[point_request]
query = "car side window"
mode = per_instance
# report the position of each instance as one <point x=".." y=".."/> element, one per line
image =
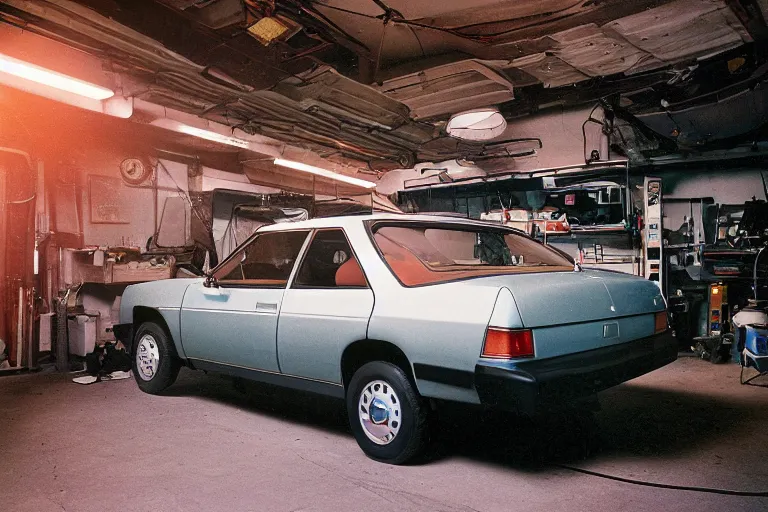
<point x="265" y="261"/>
<point x="330" y="263"/>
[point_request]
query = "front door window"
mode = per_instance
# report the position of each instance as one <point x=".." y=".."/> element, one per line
<point x="265" y="261"/>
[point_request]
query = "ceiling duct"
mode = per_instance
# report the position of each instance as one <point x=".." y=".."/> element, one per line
<point x="447" y="89"/>
<point x="326" y="90"/>
<point x="214" y="14"/>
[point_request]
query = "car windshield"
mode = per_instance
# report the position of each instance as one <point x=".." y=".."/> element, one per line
<point x="423" y="255"/>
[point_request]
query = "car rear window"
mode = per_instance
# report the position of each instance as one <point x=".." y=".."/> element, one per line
<point x="421" y="255"/>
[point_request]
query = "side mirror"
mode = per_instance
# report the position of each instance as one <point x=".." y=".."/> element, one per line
<point x="210" y="281"/>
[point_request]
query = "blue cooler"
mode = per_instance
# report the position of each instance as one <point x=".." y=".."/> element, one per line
<point x="755" y="353"/>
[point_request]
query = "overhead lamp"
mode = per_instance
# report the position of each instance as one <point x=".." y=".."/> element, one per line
<point x="27" y="71"/>
<point x="324" y="173"/>
<point x="212" y="136"/>
<point x="479" y="124"/>
<point x="179" y="127"/>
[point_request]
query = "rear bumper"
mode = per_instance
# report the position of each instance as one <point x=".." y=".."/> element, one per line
<point x="530" y="386"/>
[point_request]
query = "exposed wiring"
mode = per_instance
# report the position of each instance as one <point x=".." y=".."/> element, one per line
<point x="709" y="490"/>
<point x="380" y="50"/>
<point x="421" y="46"/>
<point x="396" y="17"/>
<point x="589" y="119"/>
<point x="388" y="11"/>
<point x="328" y="22"/>
<point x="530" y="25"/>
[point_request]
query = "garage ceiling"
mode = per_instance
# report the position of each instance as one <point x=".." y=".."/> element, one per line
<point x="372" y="82"/>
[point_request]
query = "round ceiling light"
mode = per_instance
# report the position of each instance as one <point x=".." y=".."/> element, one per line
<point x="480" y="124"/>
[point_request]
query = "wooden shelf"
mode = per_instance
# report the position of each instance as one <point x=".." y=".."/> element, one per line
<point x="78" y="268"/>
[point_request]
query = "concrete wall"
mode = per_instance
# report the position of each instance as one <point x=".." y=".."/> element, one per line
<point x="725" y="186"/>
<point x="136" y="203"/>
<point x="82" y="177"/>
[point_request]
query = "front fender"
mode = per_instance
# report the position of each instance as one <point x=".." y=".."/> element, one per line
<point x="164" y="297"/>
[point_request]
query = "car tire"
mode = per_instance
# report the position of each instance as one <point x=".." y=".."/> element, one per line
<point x="155" y="363"/>
<point x="400" y="433"/>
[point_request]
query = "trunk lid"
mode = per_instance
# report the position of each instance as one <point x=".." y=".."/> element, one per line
<point x="557" y="298"/>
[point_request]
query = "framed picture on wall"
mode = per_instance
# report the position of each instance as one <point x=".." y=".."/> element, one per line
<point x="107" y="197"/>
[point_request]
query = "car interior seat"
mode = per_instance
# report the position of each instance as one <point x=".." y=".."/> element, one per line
<point x="350" y="274"/>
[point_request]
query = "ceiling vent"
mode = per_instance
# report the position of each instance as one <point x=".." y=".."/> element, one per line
<point x="456" y="87"/>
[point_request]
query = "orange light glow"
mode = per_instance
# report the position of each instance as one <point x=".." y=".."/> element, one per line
<point x="715" y="291"/>
<point x="53" y="79"/>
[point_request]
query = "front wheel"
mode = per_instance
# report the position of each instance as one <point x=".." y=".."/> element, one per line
<point x="388" y="418"/>
<point x="155" y="364"/>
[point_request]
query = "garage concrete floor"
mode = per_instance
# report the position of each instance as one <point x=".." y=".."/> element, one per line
<point x="207" y="446"/>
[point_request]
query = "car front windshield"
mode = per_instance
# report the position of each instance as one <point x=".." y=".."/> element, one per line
<point x="422" y="254"/>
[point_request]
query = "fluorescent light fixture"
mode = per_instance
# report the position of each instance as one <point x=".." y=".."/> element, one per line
<point x="21" y="69"/>
<point x="212" y="136"/>
<point x="324" y="173"/>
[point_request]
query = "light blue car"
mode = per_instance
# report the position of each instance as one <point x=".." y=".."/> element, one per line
<point x="389" y="311"/>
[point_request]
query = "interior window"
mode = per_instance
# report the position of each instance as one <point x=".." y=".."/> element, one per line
<point x="267" y="260"/>
<point x="329" y="263"/>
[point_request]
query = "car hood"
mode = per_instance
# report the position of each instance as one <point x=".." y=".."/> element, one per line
<point x="557" y="298"/>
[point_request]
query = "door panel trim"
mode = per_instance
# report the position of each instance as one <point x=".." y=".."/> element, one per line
<point x="279" y="379"/>
<point x="233" y="312"/>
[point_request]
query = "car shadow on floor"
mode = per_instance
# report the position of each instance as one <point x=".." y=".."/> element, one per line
<point x="633" y="421"/>
<point x="308" y="408"/>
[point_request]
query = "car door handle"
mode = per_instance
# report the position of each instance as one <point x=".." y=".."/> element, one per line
<point x="264" y="307"/>
<point x="215" y="293"/>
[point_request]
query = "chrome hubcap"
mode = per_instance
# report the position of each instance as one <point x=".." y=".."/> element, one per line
<point x="147" y="357"/>
<point x="379" y="411"/>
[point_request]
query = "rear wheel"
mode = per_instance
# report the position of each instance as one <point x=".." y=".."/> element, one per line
<point x="387" y="416"/>
<point x="155" y="364"/>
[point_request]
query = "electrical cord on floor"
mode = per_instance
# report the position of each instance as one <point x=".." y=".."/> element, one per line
<point x="710" y="490"/>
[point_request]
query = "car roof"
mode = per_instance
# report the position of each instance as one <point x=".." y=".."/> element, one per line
<point x="351" y="220"/>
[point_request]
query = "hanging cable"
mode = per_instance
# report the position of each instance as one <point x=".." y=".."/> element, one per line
<point x="589" y="119"/>
<point x="421" y="46"/>
<point x="457" y="31"/>
<point x="398" y="20"/>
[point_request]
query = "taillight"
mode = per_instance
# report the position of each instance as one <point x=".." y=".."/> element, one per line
<point x="661" y="322"/>
<point x="508" y="343"/>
